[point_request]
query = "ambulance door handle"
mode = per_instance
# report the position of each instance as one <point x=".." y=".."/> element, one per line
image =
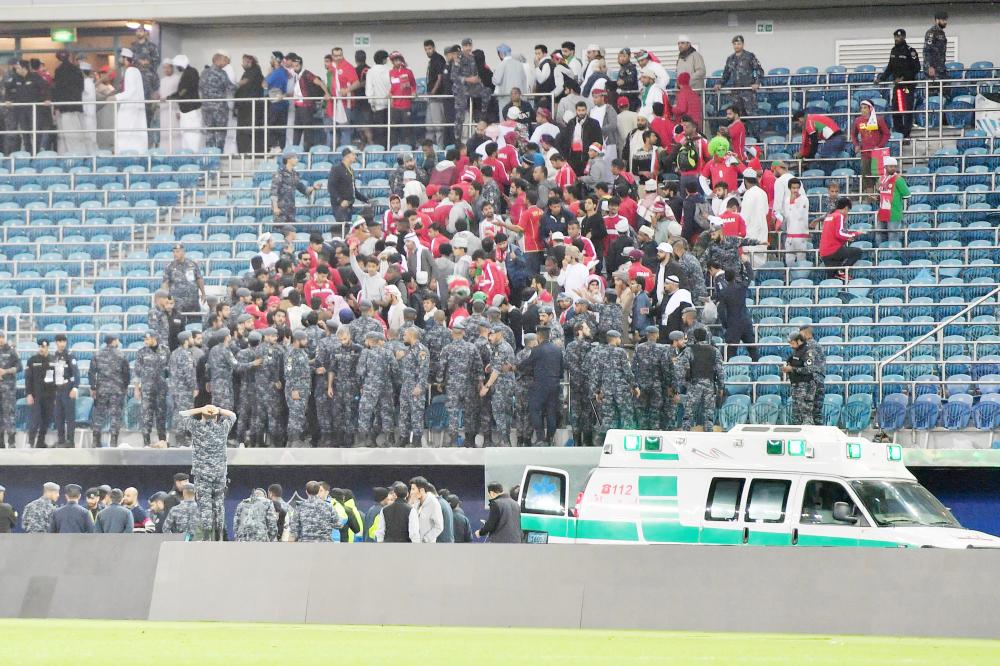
<point x="746" y="534"/>
<point x="795" y="536"/>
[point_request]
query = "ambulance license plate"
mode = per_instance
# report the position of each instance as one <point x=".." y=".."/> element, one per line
<point x="537" y="537"/>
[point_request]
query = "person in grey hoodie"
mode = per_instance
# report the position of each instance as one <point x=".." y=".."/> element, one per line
<point x="114" y="518"/>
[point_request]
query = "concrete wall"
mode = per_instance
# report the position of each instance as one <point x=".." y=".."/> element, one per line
<point x="78" y="576"/>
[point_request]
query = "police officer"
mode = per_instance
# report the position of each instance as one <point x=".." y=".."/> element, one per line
<point x="213" y="87"/>
<point x="183" y="383"/>
<point x="699" y="371"/>
<point x="208" y="464"/>
<point x="615" y="388"/>
<point x="109" y="377"/>
<point x="690" y="323"/>
<point x="184" y="518"/>
<point x="298" y="387"/>
<point x="903" y="68"/>
<point x="182" y="279"/>
<point x="466" y="85"/>
<point x="800" y="375"/>
<point x="151" y="364"/>
<point x="742" y="70"/>
<point x="576" y="358"/>
<point x="522" y="418"/>
<point x="10" y="366"/>
<point x="39" y="383"/>
<point x="159" y="321"/>
<point x="247" y="363"/>
<point x="500" y="384"/>
<point x="314" y="519"/>
<point x="375" y="409"/>
<point x="8" y="517"/>
<point x="66" y="378"/>
<point x="545" y="362"/>
<point x="37" y="517"/>
<point x="816" y="362"/>
<point x="269" y="418"/>
<point x="653" y="375"/>
<point x="414" y="369"/>
<point x="460" y="376"/>
<point x="342" y="387"/>
<point x="255" y="519"/>
<point x="936" y="47"/>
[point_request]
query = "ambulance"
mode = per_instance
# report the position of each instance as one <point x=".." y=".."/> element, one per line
<point x="757" y="485"/>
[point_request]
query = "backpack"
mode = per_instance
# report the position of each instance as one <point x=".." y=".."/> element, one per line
<point x="688" y="155"/>
<point x="702" y="211"/>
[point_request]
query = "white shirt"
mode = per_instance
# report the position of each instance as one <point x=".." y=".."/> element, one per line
<point x="754" y="211"/>
<point x="796" y="219"/>
<point x="598" y="113"/>
<point x="377" y="87"/>
<point x="674" y="302"/>
<point x="542" y="130"/>
<point x="295" y="314"/>
<point x="781" y="195"/>
<point x="573" y="277"/>
<point x="269" y="259"/>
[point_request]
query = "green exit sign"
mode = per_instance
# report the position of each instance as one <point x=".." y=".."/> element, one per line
<point x="63" y="35"/>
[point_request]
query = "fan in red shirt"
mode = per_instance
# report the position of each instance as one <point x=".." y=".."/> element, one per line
<point x="737" y="132"/>
<point x="735" y="225"/>
<point x="500" y="172"/>
<point x="393" y="215"/>
<point x="491" y="280"/>
<point x="565" y="176"/>
<point x="640" y="271"/>
<point x="434" y="196"/>
<point x="320" y="285"/>
<point x="402" y="83"/>
<point x="507" y="153"/>
<point x="722" y="168"/>
<point x="833" y="243"/>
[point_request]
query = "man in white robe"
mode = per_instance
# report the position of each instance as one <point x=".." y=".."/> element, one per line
<point x="89" y="100"/>
<point x="130" y="119"/>
<point x="170" y="138"/>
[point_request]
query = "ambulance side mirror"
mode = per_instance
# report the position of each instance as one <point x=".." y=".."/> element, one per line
<point x="842" y="513"/>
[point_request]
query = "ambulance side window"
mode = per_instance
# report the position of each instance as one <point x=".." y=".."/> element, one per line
<point x="724" y="499"/>
<point x="767" y="500"/>
<point x="818" y="500"/>
<point x="544" y="493"/>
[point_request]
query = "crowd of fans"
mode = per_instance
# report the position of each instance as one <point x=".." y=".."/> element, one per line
<point x="414" y="512"/>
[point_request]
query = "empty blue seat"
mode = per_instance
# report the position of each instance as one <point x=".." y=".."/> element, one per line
<point x="891" y="413"/>
<point x="987" y="412"/>
<point x="925" y="411"/>
<point x="957" y="411"/>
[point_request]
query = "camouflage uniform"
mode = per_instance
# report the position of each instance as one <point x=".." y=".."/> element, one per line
<point x="463" y="67"/>
<point x="313" y="520"/>
<point x="38" y="515"/>
<point x="935" y="48"/>
<point x="816" y="362"/>
<point x="284" y="184"/>
<point x="501" y="396"/>
<point x="209" y="469"/>
<point x="581" y="405"/>
<point x="343" y="366"/>
<point x="436" y="338"/>
<point x="461" y="373"/>
<point x="611" y="317"/>
<point x="364" y="325"/>
<point x="185" y="518"/>
<point x="298" y="377"/>
<point x="414" y="368"/>
<point x="522" y="415"/>
<point x="556" y="334"/>
<point x="693" y="275"/>
<point x="652" y="373"/>
<point x="8" y="391"/>
<point x="268" y="417"/>
<point x="689" y="332"/>
<point x="159" y="323"/>
<point x="182" y="278"/>
<point x="725" y="251"/>
<point x="182" y="382"/>
<point x="324" y="404"/>
<point x="472" y="324"/>
<point x="221" y="368"/>
<point x="481" y="404"/>
<point x="741" y="71"/>
<point x="150" y="369"/>
<point x="246" y="401"/>
<point x="801" y="380"/>
<point x="214" y="85"/>
<point x="255" y="520"/>
<point x="614" y="382"/>
<point x="109" y="377"/>
<point x="375" y="409"/>
<point x="701" y="385"/>
<point x="146" y="50"/>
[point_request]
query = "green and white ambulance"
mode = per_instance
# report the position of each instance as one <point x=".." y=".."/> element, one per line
<point x="756" y="485"/>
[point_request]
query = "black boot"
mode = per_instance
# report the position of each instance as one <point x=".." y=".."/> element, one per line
<point x="145" y="439"/>
<point x="114" y="440"/>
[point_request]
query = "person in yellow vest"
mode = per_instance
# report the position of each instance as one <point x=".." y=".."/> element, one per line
<point x="355" y="522"/>
<point x="892" y="195"/>
<point x="373" y="517"/>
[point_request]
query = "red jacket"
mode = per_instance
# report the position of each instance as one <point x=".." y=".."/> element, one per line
<point x="492" y="281"/>
<point x="738" y="138"/>
<point x="717" y="171"/>
<point x="835" y="234"/>
<point x="402" y="87"/>
<point x="866" y="139"/>
<point x="688" y="103"/>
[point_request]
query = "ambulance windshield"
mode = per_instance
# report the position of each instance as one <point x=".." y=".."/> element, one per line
<point x="893" y="503"/>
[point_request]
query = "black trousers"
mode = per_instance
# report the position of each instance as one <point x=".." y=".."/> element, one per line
<point x="845" y="256"/>
<point x="742" y="332"/>
<point x="277" y="122"/>
<point x="41" y="417"/>
<point x="902" y="104"/>
<point x="543" y="406"/>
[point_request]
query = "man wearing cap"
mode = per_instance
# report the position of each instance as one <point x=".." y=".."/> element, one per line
<point x="406" y="162"/>
<point x="67" y="95"/>
<point x="71" y="518"/>
<point x="936" y="48"/>
<point x="742" y="70"/>
<point x="39" y="384"/>
<point x="903" y="68"/>
<point x="499" y="385"/>
<point x="653" y="374"/>
<point x="66" y="379"/>
<point x="342" y="187"/>
<point x="130" y="120"/>
<point x="700" y="376"/>
<point x="690" y="61"/>
<point x="208" y="464"/>
<point x="182" y="383"/>
<point x="376" y="410"/>
<point x="614" y="386"/>
<point x="798" y="369"/>
<point x="108" y="377"/>
<point x="182" y="279"/>
<point x="298" y="388"/>
<point x="414" y="370"/>
<point x="145" y="49"/>
<point x="151" y="363"/>
<point x="114" y="518"/>
<point x="215" y="85"/>
<point x="285" y="182"/>
<point x="37" y="515"/>
<point x="157" y="320"/>
<point x="341" y="387"/>
<point x="460" y="374"/>
<point x="893" y="193"/>
<point x="10" y="367"/>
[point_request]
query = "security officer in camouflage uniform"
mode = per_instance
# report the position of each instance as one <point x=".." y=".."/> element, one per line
<point x="414" y="368"/>
<point x="493" y="315"/>
<point x="143" y="49"/>
<point x="247" y="363"/>
<point x="268" y="418"/>
<point x="375" y="409"/>
<point x="37" y="516"/>
<point x="436" y="338"/>
<point x="285" y="182"/>
<point x="481" y="409"/>
<point x="716" y="246"/>
<point x="208" y="464"/>
<point x="221" y="371"/>
<point x="255" y="519"/>
<point x="183" y="280"/>
<point x="215" y="85"/>
<point x="816" y="362"/>
<point x="689" y="319"/>
<point x="182" y="383"/>
<point x="576" y="358"/>
<point x="10" y="366"/>
<point x="800" y="377"/>
<point x="342" y="387"/>
<point x="460" y="376"/>
<point x="321" y="398"/>
<point x="466" y="85"/>
<point x="366" y="323"/>
<point x="475" y="321"/>
<point x="185" y="518"/>
<point x="109" y="377"/>
<point x="673" y="414"/>
<point x="159" y="320"/>
<point x="699" y="371"/>
<point x="547" y="319"/>
<point x="314" y="519"/>
<point x="653" y="375"/>
<point x="610" y="316"/>
<point x="500" y="384"/>
<point x="615" y="387"/>
<point x="936" y="48"/>
<point x="742" y="70"/>
<point x="522" y="415"/>
<point x="151" y="386"/>
<point x="298" y="387"/>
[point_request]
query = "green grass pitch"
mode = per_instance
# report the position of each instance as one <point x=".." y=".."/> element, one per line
<point x="60" y="642"/>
